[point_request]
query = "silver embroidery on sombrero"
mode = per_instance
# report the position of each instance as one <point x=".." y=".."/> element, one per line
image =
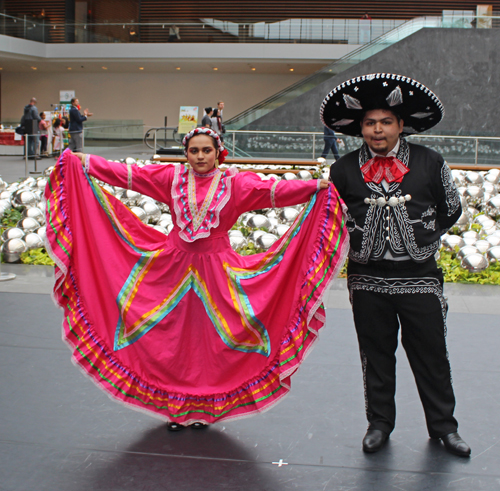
<point x="395" y="97"/>
<point x="352" y="102"/>
<point x="428" y="111"/>
<point x="343" y="122"/>
<point x="421" y="115"/>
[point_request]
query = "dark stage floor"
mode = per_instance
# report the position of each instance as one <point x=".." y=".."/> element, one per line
<point x="60" y="432"/>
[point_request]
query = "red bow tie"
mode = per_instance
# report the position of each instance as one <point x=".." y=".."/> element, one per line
<point x="389" y="168"/>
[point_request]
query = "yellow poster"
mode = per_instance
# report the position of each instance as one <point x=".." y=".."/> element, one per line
<point x="188" y="119"/>
<point x="484" y="13"/>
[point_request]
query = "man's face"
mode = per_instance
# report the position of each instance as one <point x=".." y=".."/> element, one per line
<point x="220" y="106"/>
<point x="76" y="103"/>
<point x="380" y="129"/>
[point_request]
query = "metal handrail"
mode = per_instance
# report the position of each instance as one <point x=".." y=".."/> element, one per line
<point x="111" y="126"/>
<point x="345" y="31"/>
<point x="420" y="135"/>
<point x="155" y="147"/>
<point x="231" y="136"/>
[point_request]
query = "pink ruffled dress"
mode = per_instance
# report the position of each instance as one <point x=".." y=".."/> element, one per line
<point x="181" y="325"/>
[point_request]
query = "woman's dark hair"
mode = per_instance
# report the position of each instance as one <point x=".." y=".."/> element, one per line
<point x="216" y="113"/>
<point x="57" y="123"/>
<point x="212" y="139"/>
<point x="42" y="115"/>
<point x="65" y="123"/>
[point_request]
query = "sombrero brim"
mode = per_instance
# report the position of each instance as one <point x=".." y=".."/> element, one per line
<point x="343" y="108"/>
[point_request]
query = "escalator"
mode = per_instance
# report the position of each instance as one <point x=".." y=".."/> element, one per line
<point x="245" y="118"/>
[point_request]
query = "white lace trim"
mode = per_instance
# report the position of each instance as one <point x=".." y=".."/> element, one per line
<point x="273" y="193"/>
<point x="129" y="176"/>
<point x="181" y="223"/>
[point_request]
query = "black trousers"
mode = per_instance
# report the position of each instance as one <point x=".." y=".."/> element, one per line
<point x="384" y="296"/>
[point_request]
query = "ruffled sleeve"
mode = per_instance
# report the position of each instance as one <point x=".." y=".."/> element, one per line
<point x="252" y="193"/>
<point x="152" y="180"/>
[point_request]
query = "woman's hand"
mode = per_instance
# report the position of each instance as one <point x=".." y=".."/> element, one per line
<point x="323" y="184"/>
<point x="80" y="155"/>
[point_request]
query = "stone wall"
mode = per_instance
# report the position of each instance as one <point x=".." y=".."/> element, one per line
<point x="462" y="66"/>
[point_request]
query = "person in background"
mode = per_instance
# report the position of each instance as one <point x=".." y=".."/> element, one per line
<point x="57" y="138"/>
<point x="173" y="34"/>
<point x="330" y="143"/>
<point x="30" y="121"/>
<point x="76" y="125"/>
<point x="65" y="128"/>
<point x="216" y="122"/>
<point x="220" y="107"/>
<point x="44" y="135"/>
<point x="365" y="28"/>
<point x="206" y="120"/>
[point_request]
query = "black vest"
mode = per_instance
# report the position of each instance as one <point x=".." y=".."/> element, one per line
<point x="407" y="219"/>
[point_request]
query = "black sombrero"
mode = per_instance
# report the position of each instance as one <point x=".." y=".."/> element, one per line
<point x="343" y="108"/>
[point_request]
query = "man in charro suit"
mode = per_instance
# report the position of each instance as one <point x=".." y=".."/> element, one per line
<point x="400" y="199"/>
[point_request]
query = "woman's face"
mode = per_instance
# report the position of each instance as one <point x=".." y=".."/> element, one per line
<point x="201" y="153"/>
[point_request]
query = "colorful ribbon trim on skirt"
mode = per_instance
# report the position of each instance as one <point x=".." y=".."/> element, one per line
<point x="327" y="251"/>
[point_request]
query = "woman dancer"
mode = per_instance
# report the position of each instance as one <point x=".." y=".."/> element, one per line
<point x="181" y="325"/>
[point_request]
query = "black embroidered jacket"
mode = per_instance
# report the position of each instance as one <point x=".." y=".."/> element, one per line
<point x="423" y="206"/>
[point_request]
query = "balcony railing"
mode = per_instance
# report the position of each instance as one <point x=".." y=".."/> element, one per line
<point x="322" y="31"/>
<point x="328" y="31"/>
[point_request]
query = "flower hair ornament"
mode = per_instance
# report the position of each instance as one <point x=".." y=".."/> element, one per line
<point x="207" y="131"/>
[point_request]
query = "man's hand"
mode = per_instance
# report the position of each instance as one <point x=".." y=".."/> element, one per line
<point x="87" y="113"/>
